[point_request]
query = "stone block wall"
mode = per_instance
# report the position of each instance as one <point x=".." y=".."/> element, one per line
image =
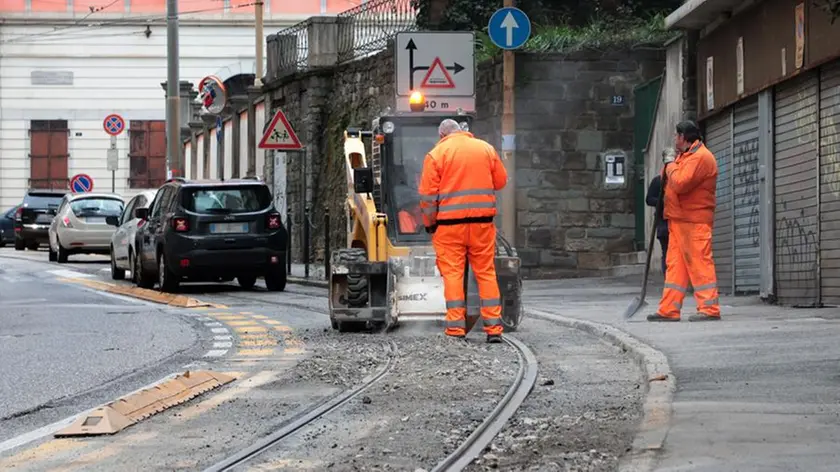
<point x="320" y="105"/>
<point x="569" y="223"/>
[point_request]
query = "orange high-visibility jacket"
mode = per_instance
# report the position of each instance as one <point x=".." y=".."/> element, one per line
<point x="460" y="177"/>
<point x="690" y="186"/>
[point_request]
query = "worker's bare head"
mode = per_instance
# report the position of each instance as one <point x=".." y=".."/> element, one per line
<point x="687" y="133"/>
<point x="447" y="127"/>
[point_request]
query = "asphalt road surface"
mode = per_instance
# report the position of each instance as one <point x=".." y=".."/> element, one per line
<point x="65" y="348"/>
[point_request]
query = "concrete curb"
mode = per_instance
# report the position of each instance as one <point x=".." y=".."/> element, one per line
<point x="657" y="408"/>
<point x="307" y="282"/>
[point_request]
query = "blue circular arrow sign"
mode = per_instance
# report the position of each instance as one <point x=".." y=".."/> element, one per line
<point x="509" y="28"/>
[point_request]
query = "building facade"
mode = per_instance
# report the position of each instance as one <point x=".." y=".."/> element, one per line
<point x="768" y="99"/>
<point x="67" y="64"/>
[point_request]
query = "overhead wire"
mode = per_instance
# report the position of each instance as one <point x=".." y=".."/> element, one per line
<point x="111" y="23"/>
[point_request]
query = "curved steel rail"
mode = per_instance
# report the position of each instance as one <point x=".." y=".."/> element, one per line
<point x="524" y="382"/>
<point x="307" y="418"/>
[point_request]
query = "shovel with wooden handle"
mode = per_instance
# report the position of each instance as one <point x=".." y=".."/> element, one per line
<point x="639" y="302"/>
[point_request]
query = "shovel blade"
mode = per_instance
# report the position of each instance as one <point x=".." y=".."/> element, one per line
<point x="634" y="307"/>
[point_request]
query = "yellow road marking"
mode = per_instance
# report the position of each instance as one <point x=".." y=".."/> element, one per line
<point x="228" y="317"/>
<point x="293" y="350"/>
<point x="282" y="329"/>
<point x="244" y="385"/>
<point x="260" y="342"/>
<point x="272" y="322"/>
<point x="259" y="317"/>
<point x="251" y="329"/>
<point x="255" y="352"/>
<point x="106" y="451"/>
<point x="246" y="313"/>
<point x="252" y="337"/>
<point x="43" y="452"/>
<point x="242" y="323"/>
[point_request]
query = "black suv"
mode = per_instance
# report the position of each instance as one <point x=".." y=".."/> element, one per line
<point x="210" y="231"/>
<point x="34" y="216"/>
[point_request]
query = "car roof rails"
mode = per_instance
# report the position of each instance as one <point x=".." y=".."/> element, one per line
<point x="176" y="179"/>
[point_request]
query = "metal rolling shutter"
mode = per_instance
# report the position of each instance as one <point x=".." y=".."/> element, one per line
<point x="830" y="183"/>
<point x="745" y="196"/>
<point x="718" y="138"/>
<point x="795" y="183"/>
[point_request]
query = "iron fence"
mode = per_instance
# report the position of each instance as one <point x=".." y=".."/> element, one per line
<point x="361" y="31"/>
<point x="366" y="29"/>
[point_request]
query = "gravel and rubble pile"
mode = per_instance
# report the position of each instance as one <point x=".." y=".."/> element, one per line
<point x="438" y="391"/>
<point x="582" y="413"/>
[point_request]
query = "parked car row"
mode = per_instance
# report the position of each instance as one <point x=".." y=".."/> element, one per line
<point x="184" y="231"/>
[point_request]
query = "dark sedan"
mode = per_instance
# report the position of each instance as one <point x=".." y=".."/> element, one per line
<point x="7" y="226"/>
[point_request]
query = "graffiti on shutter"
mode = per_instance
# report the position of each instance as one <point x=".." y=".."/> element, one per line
<point x="745" y="196"/>
<point x="48" y="154"/>
<point x="830" y="183"/>
<point x="718" y="138"/>
<point x="795" y="183"/>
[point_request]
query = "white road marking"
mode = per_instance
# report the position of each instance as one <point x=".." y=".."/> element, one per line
<point x="49" y="429"/>
<point x="69" y="274"/>
<point x="204" y="318"/>
<point x="220" y="330"/>
<point x="222" y="338"/>
<point x="213" y="323"/>
<point x="227" y="344"/>
<point x="216" y="353"/>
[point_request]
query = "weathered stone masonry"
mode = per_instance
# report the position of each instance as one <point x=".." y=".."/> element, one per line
<point x="569" y="224"/>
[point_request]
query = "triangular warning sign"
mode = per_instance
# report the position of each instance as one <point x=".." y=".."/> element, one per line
<point x="280" y="135"/>
<point x="438" y="76"/>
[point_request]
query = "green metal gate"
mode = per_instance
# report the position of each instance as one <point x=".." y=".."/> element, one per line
<point x="645" y="100"/>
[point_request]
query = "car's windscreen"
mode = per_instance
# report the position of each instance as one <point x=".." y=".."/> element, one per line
<point x="43" y="200"/>
<point x="244" y="199"/>
<point x="97" y="207"/>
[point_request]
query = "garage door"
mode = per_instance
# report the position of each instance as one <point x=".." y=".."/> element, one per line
<point x="745" y="196"/>
<point x="830" y="183"/>
<point x="718" y="138"/>
<point x="795" y="178"/>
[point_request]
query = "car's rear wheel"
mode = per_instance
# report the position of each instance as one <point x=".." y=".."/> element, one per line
<point x="20" y="244"/>
<point x="166" y="279"/>
<point x="116" y="272"/>
<point x="246" y="282"/>
<point x="275" y="281"/>
<point x="62" y="253"/>
<point x="141" y="278"/>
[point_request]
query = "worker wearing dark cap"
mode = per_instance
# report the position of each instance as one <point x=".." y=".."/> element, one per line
<point x="690" y="181"/>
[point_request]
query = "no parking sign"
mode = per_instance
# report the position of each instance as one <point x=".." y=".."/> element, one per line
<point x="81" y="183"/>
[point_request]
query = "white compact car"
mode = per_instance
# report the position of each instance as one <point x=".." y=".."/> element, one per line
<point x="80" y="225"/>
<point x="122" y="242"/>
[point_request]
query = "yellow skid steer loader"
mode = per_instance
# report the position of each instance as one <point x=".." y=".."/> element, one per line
<point x="387" y="273"/>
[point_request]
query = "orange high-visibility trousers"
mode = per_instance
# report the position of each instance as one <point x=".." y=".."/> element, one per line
<point x="689" y="259"/>
<point x="454" y="245"/>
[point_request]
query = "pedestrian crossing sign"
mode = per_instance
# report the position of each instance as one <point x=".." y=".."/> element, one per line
<point x="280" y="135"/>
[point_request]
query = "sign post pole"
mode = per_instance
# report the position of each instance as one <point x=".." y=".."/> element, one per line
<point x="509" y="28"/>
<point x="114" y="125"/>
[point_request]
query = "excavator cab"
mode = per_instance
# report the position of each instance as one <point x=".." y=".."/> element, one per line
<point x="388" y="273"/>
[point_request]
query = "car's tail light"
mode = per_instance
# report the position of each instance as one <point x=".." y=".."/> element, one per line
<point x="66" y="222"/>
<point x="19" y="213"/>
<point x="180" y="224"/>
<point x="273" y="221"/>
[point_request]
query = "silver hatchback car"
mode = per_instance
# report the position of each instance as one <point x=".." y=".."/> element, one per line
<point x="80" y="225"/>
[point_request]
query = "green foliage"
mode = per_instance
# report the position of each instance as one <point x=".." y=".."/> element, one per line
<point x="598" y="34"/>
<point x="473" y="15"/>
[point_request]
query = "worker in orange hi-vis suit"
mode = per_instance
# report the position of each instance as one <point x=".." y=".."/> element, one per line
<point x="690" y="181"/>
<point x="457" y="194"/>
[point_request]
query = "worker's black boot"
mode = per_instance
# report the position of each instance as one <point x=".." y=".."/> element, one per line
<point x="494" y="338"/>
